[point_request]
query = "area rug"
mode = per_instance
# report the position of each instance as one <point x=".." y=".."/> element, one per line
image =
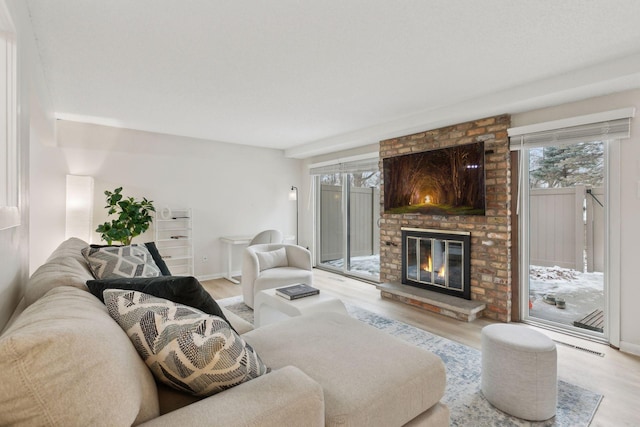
<point x="576" y="405"/>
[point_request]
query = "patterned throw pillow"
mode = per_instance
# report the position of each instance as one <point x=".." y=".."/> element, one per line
<point x="185" y="348"/>
<point x="108" y="262"/>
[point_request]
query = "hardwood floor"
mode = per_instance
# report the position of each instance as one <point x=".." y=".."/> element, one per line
<point x="616" y="375"/>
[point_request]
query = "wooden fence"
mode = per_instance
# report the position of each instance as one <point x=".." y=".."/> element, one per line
<point x="364" y="210"/>
<point x="567" y="228"/>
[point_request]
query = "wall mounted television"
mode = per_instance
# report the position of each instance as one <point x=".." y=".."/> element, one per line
<point x="445" y="181"/>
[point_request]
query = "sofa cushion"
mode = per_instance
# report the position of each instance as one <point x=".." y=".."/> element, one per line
<point x="240" y="325"/>
<point x="155" y="254"/>
<point x="272" y="259"/>
<point x="186" y="349"/>
<point x="65" y="267"/>
<point x="64" y="361"/>
<point x="157" y="258"/>
<point x="282" y="276"/>
<point x="284" y="398"/>
<point x="181" y="289"/>
<point x="394" y="381"/>
<point x="108" y="262"/>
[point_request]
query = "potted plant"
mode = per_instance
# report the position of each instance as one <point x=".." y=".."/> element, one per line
<point x="133" y="217"/>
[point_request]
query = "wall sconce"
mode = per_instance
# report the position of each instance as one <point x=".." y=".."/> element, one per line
<point x="79" y="207"/>
<point x="293" y="196"/>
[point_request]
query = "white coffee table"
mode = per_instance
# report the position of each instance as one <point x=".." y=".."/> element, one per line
<point x="270" y="308"/>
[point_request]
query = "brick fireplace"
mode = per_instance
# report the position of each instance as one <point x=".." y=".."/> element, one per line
<point x="490" y="234"/>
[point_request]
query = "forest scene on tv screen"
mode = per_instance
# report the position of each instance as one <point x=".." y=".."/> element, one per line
<point x="447" y="181"/>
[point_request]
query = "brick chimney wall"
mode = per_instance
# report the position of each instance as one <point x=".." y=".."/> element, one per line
<point x="490" y="234"/>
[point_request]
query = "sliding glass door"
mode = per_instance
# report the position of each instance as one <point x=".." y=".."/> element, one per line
<point x="363" y="242"/>
<point x="565" y="268"/>
<point x="347" y="229"/>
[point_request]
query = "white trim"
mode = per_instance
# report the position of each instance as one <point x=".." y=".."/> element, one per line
<point x="9" y="143"/>
<point x="355" y="158"/>
<point x="523" y="238"/>
<point x="9" y="217"/>
<point x="628" y="347"/>
<point x="613" y="235"/>
<point x="622" y="113"/>
<point x="316" y="220"/>
<point x="204" y="277"/>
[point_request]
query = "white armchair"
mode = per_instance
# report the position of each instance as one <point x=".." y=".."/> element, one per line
<point x="273" y="265"/>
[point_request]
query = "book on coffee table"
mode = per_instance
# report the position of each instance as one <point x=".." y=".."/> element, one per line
<point x="299" y="290"/>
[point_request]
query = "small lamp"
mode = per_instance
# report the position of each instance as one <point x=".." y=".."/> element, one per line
<point x="79" y="207"/>
<point x="293" y="196"/>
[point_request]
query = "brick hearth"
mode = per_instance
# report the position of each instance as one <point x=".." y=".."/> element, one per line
<point x="490" y="234"/>
<point x="447" y="305"/>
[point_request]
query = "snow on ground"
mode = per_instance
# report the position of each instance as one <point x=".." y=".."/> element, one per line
<point x="363" y="264"/>
<point x="583" y="293"/>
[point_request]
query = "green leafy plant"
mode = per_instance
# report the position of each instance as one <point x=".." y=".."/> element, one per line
<point x="134" y="217"/>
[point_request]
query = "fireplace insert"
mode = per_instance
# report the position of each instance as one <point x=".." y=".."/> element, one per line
<point x="437" y="260"/>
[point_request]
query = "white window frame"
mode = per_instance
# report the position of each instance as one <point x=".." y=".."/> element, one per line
<point x="9" y="158"/>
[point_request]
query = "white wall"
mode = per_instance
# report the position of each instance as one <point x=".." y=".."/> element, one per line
<point x="47" y="198"/>
<point x="629" y="203"/>
<point x="232" y="189"/>
<point x="34" y="121"/>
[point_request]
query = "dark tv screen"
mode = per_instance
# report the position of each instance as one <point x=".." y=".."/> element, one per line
<point x="446" y="181"/>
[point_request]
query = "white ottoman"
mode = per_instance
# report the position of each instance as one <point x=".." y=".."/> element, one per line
<point x="519" y="371"/>
<point x="269" y="307"/>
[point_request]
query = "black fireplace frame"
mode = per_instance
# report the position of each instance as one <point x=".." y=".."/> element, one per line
<point x="463" y="237"/>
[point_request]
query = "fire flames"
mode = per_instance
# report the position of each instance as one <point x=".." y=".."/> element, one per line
<point x="428" y="266"/>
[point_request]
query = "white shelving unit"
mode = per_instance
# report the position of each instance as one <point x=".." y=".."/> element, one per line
<point x="174" y="239"/>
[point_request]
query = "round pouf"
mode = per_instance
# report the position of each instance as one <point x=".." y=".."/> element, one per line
<point x="519" y="371"/>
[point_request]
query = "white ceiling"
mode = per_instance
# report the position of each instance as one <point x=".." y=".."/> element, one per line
<point x="317" y="76"/>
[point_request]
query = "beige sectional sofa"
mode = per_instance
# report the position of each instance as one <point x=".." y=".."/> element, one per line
<point x="65" y="362"/>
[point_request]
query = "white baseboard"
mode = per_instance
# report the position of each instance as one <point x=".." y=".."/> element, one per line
<point x="204" y="277"/>
<point x="209" y="277"/>
<point x="628" y="347"/>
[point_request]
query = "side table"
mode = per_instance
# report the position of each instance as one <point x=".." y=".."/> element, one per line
<point x="270" y="308"/>
<point x="230" y="242"/>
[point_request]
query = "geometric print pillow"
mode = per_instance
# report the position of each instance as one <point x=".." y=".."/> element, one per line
<point x="108" y="262"/>
<point x="185" y="348"/>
